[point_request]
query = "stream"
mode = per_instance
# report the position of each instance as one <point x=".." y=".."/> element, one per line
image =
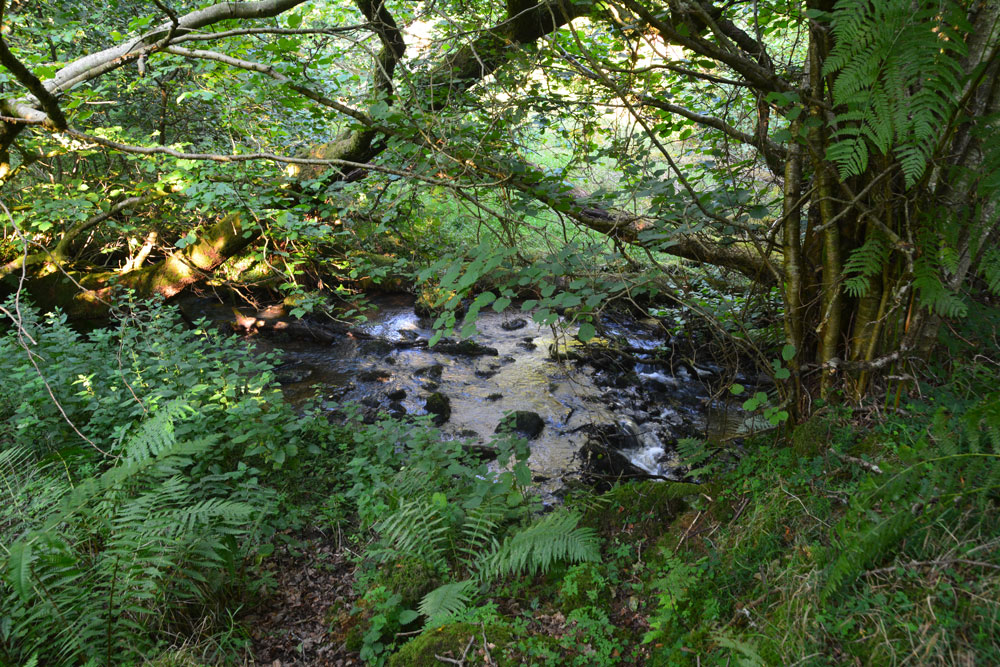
<point x="625" y="396"/>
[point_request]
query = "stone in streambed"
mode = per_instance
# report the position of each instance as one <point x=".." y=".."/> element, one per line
<point x="433" y="372"/>
<point x="524" y="423"/>
<point x="438" y="405"/>
<point x="466" y="348"/>
<point x="374" y="375"/>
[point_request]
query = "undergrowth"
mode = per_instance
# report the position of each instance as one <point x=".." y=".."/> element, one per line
<point x="139" y="506"/>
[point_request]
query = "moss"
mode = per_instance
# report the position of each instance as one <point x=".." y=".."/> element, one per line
<point x="582" y="585"/>
<point x="450" y="641"/>
<point x="438" y="405"/>
<point x="410" y="578"/>
<point x="812" y="437"/>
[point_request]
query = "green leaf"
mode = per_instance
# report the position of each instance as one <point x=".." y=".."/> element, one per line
<point x="787" y="352"/>
<point x="19" y="565"/>
<point x="439" y="499"/>
<point x="737" y="389"/>
<point x="522" y="474"/>
<point x="407" y="616"/>
<point x="294" y="21"/>
<point x="586" y="332"/>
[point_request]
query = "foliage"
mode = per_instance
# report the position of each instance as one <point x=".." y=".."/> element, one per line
<point x="100" y="569"/>
<point x="828" y="558"/>
<point x="454" y="521"/>
<point x="133" y="491"/>
<point x="898" y="73"/>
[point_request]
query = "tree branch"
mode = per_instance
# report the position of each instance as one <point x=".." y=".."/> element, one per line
<point x="102" y="62"/>
<point x="208" y="36"/>
<point x="239" y="63"/>
<point x="27" y="79"/>
<point x="756" y="74"/>
<point x="771" y="150"/>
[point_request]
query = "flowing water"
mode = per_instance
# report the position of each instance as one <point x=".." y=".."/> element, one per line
<point x="387" y="368"/>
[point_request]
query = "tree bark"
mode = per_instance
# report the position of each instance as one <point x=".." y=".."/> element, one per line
<point x="83" y="295"/>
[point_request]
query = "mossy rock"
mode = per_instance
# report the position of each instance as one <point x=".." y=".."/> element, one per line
<point x="573" y="349"/>
<point x="438" y="405"/>
<point x="410" y="578"/>
<point x="450" y="641"/>
<point x="648" y="507"/>
<point x="523" y="423"/>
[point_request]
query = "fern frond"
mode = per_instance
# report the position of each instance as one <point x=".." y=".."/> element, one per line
<point x="989" y="269"/>
<point x="554" y="537"/>
<point x="934" y="294"/>
<point x="417" y="528"/>
<point x="864" y="263"/>
<point x="154" y="435"/>
<point x="898" y="75"/>
<point x="479" y="533"/>
<point x="446" y="601"/>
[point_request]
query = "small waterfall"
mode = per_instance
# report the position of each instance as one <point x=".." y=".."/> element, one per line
<point x="644" y="448"/>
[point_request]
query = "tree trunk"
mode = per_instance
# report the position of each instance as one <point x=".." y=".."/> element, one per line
<point x="83" y="295"/>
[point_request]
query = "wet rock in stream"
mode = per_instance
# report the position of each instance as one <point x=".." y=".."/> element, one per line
<point x="374" y="375"/>
<point x="524" y="423"/>
<point x="291" y="375"/>
<point x="433" y="372"/>
<point x="465" y="348"/>
<point x="604" y="459"/>
<point x="438" y="405"/>
<point x="487" y="370"/>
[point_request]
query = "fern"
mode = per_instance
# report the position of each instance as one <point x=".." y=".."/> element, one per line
<point x="479" y="532"/>
<point x="955" y="470"/>
<point x="934" y="294"/>
<point x="989" y="269"/>
<point x="446" y="601"/>
<point x="864" y="263"/>
<point x="898" y="74"/>
<point x="97" y="566"/>
<point x="417" y="528"/>
<point x="554" y="537"/>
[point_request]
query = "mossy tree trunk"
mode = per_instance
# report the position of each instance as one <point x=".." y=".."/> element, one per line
<point x="87" y="295"/>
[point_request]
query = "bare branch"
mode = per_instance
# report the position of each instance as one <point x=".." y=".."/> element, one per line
<point x="771" y="150"/>
<point x="33" y="84"/>
<point x="102" y="62"/>
<point x="258" y="157"/>
<point x="207" y="36"/>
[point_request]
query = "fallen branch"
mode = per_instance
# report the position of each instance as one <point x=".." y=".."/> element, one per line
<point x="861" y="463"/>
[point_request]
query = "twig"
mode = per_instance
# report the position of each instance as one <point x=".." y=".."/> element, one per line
<point x="861" y="463"/>
<point x="486" y="646"/>
<point x="461" y="661"/>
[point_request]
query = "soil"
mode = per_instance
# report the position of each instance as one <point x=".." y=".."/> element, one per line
<point x="313" y="587"/>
